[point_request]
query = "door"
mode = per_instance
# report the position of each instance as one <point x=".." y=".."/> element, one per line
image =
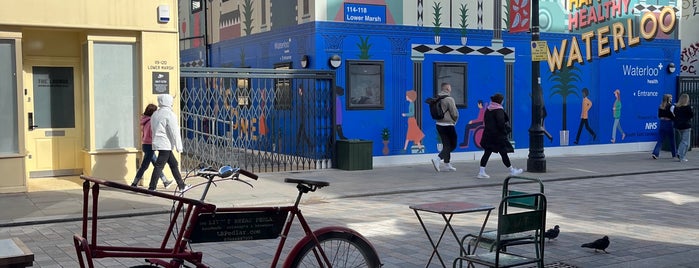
<point x="52" y="106"/>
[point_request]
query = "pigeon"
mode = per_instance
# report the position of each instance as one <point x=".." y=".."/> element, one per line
<point x="552" y="233"/>
<point x="599" y="244"/>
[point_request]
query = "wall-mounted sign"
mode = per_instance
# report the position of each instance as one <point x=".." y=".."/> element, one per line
<point x="161" y="82"/>
<point x="365" y="13"/>
<point x="540" y="51"/>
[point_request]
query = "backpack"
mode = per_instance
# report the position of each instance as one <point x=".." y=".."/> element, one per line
<point x="435" y="107"/>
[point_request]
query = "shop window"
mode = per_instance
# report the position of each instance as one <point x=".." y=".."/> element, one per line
<point x="9" y="140"/>
<point x="454" y="74"/>
<point x="115" y="95"/>
<point x="365" y="85"/>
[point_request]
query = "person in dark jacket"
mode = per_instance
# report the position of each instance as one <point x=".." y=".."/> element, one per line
<point x="683" y="119"/>
<point x="665" y="130"/>
<point x="495" y="134"/>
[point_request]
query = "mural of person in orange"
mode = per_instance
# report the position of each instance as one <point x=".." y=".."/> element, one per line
<point x="586" y="105"/>
<point x="414" y="133"/>
<point x="616" y="111"/>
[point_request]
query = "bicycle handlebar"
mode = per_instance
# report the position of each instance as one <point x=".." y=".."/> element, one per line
<point x="225" y="172"/>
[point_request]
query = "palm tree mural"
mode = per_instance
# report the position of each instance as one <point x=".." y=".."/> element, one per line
<point x="364" y="47"/>
<point x="247" y="14"/>
<point x="565" y="84"/>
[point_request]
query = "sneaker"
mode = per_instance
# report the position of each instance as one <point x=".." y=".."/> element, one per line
<point x="449" y="167"/>
<point x="654" y="156"/>
<point x="482" y="176"/>
<point x="168" y="184"/>
<point x="516" y="171"/>
<point x="435" y="163"/>
<point x="685" y="160"/>
<point x="186" y="188"/>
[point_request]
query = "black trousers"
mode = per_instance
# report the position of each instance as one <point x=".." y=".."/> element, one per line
<point x="165" y="156"/>
<point x="448" y="136"/>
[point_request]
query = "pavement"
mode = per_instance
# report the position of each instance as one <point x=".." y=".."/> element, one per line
<point x="389" y="188"/>
<point x="49" y="206"/>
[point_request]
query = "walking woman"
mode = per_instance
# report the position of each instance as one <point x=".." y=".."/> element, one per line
<point x="683" y="119"/>
<point x="495" y="136"/>
<point x="147" y="147"/>
<point x="665" y="130"/>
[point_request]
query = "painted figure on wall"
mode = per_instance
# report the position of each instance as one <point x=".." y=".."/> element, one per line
<point x="263" y="116"/>
<point x="586" y="105"/>
<point x="301" y="134"/>
<point x="616" y="111"/>
<point x="414" y="133"/>
<point x="475" y="126"/>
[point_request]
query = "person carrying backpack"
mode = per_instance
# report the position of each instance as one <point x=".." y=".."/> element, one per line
<point x="446" y="129"/>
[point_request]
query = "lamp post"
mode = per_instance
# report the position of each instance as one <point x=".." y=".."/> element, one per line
<point x="536" y="161"/>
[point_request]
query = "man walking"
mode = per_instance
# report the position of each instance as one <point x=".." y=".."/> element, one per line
<point x="446" y="129"/>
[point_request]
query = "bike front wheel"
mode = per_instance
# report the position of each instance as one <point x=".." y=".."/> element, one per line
<point x="343" y="249"/>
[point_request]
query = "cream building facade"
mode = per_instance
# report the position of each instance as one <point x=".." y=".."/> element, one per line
<point x="74" y="78"/>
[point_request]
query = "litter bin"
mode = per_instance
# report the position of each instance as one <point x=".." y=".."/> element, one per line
<point x="354" y="154"/>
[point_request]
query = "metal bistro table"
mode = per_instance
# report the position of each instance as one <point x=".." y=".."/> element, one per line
<point x="447" y="210"/>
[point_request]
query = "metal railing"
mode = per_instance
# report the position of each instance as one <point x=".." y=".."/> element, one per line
<point x="262" y="120"/>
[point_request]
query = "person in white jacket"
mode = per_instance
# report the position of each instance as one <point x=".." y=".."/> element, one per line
<point x="166" y="135"/>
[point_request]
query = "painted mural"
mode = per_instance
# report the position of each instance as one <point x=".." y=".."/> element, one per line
<point x="604" y="74"/>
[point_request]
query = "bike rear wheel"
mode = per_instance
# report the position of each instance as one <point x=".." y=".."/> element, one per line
<point x="343" y="250"/>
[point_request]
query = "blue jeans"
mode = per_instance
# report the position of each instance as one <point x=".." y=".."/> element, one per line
<point x="665" y="131"/>
<point x="148" y="158"/>
<point x="684" y="143"/>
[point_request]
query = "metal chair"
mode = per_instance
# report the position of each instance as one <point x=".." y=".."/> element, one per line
<point x="487" y="239"/>
<point x="512" y="223"/>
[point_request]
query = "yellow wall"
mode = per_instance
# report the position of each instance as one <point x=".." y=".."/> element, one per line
<point x="137" y="15"/>
<point x="48" y="29"/>
<point x="12" y="175"/>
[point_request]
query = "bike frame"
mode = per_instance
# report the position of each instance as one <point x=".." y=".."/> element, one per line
<point x="178" y="253"/>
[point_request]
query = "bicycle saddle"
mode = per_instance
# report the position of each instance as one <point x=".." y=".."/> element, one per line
<point x="308" y="182"/>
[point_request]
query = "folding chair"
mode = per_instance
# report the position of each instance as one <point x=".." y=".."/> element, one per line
<point x="510" y="223"/>
<point x="487" y="239"/>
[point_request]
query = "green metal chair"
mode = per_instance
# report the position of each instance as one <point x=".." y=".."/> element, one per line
<point x="487" y="239"/>
<point x="510" y="224"/>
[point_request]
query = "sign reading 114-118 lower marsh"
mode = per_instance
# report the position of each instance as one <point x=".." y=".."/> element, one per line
<point x="365" y="13"/>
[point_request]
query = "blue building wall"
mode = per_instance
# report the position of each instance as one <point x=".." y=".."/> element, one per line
<point x="393" y="46"/>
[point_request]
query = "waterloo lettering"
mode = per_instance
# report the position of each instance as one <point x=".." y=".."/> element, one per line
<point x="640" y="71"/>
<point x="616" y="36"/>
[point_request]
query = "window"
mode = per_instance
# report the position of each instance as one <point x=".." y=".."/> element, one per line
<point x="115" y="95"/>
<point x="454" y="74"/>
<point x="282" y="89"/>
<point x="365" y="86"/>
<point x="9" y="140"/>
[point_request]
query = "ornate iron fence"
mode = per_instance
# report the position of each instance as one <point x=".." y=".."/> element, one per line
<point x="262" y="120"/>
